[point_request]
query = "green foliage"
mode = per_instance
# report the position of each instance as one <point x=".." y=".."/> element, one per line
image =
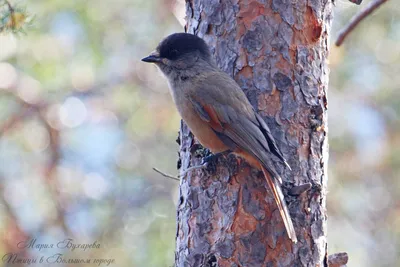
<point x="14" y="18"/>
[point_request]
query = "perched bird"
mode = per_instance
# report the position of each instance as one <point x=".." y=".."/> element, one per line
<point x="217" y="111"/>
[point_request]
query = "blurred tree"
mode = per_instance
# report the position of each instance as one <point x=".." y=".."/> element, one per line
<point x="277" y="52"/>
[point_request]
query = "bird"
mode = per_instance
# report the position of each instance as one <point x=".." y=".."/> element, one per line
<point x="217" y="111"/>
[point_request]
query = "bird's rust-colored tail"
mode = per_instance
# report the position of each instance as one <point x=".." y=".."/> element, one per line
<point x="280" y="201"/>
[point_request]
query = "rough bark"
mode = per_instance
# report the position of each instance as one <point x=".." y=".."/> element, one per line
<point x="276" y="50"/>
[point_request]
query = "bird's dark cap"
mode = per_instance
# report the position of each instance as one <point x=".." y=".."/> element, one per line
<point x="178" y="44"/>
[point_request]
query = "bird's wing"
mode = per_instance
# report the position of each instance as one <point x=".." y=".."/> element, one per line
<point x="229" y="113"/>
<point x="235" y="130"/>
<point x="231" y="116"/>
<point x="271" y="141"/>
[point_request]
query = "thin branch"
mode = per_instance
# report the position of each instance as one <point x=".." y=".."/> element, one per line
<point x="357" y="19"/>
<point x="9" y="6"/>
<point x="11" y="9"/>
<point x="50" y="170"/>
<point x="198" y="167"/>
<point x="166" y="175"/>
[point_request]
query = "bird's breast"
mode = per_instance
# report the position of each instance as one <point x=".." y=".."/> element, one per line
<point x="200" y="128"/>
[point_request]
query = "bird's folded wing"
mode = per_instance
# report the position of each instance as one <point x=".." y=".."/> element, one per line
<point x="270" y="139"/>
<point x="235" y="122"/>
<point x="240" y="129"/>
<point x="222" y="104"/>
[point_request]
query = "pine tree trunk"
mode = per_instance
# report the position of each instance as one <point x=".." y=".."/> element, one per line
<point x="276" y="51"/>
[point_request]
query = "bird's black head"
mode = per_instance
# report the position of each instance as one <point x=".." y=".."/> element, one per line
<point x="179" y="44"/>
<point x="179" y="50"/>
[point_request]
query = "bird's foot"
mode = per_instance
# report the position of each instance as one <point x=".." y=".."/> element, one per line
<point x="211" y="161"/>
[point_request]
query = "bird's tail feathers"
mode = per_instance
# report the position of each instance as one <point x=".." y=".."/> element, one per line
<point x="280" y="201"/>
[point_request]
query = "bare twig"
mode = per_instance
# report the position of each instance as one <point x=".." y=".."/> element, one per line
<point x="198" y="167"/>
<point x="11" y="9"/>
<point x="9" y="5"/>
<point x="357" y="19"/>
<point x="165" y="174"/>
<point x="177" y="178"/>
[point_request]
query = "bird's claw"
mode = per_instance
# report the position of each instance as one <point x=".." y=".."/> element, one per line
<point x="211" y="162"/>
<point x="209" y="159"/>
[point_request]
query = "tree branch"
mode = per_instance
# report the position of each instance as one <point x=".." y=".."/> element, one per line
<point x="11" y="14"/>
<point x="50" y="169"/>
<point x="14" y="232"/>
<point x="13" y="120"/>
<point x="197" y="167"/>
<point x="357" y="19"/>
<point x="166" y="175"/>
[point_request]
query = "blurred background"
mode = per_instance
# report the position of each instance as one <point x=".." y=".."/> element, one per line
<point x="82" y="124"/>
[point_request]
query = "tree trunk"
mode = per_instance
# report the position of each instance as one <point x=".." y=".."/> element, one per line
<point x="276" y="51"/>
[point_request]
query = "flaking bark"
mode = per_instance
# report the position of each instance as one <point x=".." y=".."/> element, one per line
<point x="276" y="51"/>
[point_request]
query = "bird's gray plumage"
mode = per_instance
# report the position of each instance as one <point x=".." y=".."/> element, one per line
<point x="217" y="111"/>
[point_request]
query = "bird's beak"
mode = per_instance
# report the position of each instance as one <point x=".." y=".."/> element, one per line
<point x="152" y="58"/>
